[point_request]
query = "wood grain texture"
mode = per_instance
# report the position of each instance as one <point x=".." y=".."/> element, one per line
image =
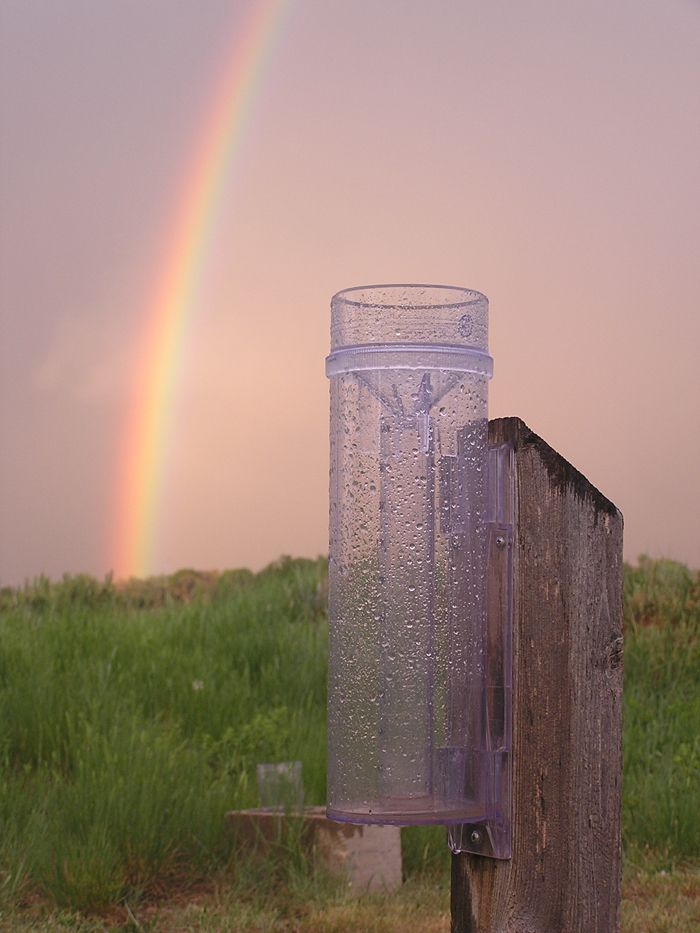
<point x="564" y="876"/>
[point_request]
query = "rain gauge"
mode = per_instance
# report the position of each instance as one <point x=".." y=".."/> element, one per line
<point x="421" y="525"/>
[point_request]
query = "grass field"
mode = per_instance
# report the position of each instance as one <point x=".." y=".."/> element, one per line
<point x="131" y="719"/>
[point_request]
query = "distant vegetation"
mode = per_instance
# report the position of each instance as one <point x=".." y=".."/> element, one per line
<point x="661" y="796"/>
<point x="132" y="716"/>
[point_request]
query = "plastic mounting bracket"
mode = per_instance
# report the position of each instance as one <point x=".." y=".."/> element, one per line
<point x="492" y="836"/>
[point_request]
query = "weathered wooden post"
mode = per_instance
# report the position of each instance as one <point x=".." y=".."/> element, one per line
<point x="564" y="875"/>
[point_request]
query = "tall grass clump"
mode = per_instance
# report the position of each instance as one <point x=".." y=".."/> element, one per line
<point x="661" y="798"/>
<point x="127" y="732"/>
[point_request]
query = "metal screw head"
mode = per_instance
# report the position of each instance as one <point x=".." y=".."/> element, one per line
<point x="475" y="837"/>
<point x="500" y="542"/>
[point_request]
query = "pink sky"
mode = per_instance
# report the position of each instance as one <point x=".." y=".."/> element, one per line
<point x="544" y="153"/>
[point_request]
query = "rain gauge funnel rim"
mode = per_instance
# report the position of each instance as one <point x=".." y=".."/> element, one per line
<point x="381" y="296"/>
<point x="443" y="315"/>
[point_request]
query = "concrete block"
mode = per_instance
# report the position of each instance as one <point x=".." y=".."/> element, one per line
<point x="366" y="857"/>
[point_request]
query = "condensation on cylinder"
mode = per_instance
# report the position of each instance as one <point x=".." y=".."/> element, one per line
<point x="409" y="370"/>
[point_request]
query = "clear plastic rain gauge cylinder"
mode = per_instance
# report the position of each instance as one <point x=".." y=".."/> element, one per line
<point x="409" y="538"/>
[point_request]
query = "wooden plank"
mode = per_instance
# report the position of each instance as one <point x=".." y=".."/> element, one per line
<point x="567" y="711"/>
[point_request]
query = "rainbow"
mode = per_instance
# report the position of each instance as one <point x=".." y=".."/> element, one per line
<point x="169" y="312"/>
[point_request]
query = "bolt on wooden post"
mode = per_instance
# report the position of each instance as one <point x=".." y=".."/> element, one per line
<point x="565" y="870"/>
